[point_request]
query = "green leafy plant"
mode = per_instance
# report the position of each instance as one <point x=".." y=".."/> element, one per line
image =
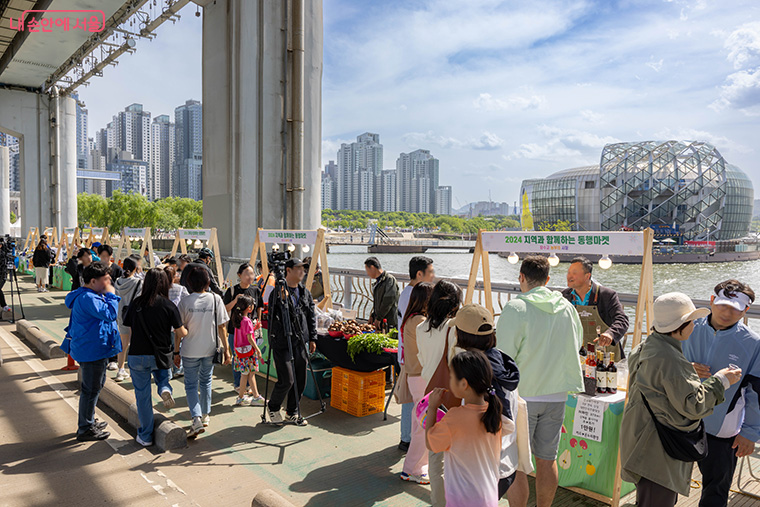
<point x="370" y="342"/>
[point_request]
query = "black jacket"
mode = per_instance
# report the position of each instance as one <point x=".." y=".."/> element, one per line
<point x="41" y="257"/>
<point x="610" y="309"/>
<point x="506" y="376"/>
<point x="214" y="287"/>
<point x="75" y="270"/>
<point x="302" y="317"/>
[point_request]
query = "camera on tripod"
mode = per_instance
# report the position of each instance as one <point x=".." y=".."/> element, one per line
<point x="8" y="251"/>
<point x="276" y="261"/>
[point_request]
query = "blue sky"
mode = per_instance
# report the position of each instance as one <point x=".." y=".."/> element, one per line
<point x="500" y="91"/>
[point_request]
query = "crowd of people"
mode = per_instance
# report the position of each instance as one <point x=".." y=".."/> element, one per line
<point x="503" y="384"/>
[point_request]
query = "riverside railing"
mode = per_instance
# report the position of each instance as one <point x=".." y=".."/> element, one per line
<point x="352" y="288"/>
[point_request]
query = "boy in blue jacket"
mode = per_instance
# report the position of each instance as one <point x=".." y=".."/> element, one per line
<point x="91" y="338"/>
<point x="719" y="340"/>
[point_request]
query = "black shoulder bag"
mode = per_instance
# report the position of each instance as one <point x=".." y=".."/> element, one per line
<point x="686" y="446"/>
<point x="218" y="349"/>
<point x="163" y="354"/>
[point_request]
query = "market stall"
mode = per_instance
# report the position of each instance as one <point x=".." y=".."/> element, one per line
<point x="589" y="454"/>
<point x="70" y="238"/>
<point x="198" y="238"/>
<point x="124" y="246"/>
<point x="97" y="235"/>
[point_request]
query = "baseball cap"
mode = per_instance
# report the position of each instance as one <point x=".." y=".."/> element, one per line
<point x="673" y="309"/>
<point x="293" y="262"/>
<point x="474" y="319"/>
<point x="738" y="300"/>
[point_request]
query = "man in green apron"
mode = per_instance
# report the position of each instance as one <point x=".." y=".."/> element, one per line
<point x="602" y="316"/>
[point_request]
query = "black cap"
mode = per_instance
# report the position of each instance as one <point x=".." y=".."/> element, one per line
<point x="293" y="262"/>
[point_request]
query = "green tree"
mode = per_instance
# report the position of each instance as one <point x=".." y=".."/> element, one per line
<point x="13" y="217"/>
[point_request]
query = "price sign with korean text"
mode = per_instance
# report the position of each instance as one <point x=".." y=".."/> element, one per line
<point x="589" y="418"/>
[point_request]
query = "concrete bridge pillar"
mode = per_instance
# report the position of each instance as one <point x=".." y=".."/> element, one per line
<point x="261" y="150"/>
<point x="46" y="129"/>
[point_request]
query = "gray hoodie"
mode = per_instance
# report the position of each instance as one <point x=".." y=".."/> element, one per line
<point x="127" y="288"/>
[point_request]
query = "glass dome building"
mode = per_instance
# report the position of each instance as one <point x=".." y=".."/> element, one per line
<point x="680" y="188"/>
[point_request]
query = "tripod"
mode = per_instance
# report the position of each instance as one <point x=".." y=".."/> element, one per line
<point x="282" y="307"/>
<point x="13" y="281"/>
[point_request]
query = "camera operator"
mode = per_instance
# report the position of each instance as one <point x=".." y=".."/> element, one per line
<point x="303" y="329"/>
<point x="6" y="257"/>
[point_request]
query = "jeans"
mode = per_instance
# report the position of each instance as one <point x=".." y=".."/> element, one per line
<point x="141" y="368"/>
<point x="198" y="372"/>
<point x="717" y="471"/>
<point x="93" y="378"/>
<point x="406" y="422"/>
<point x="235" y="374"/>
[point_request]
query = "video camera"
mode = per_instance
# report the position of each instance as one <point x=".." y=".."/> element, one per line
<point x="8" y="250"/>
<point x="276" y="261"/>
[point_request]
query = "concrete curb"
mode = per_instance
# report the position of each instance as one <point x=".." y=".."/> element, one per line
<point x="268" y="498"/>
<point x="167" y="435"/>
<point x="45" y="345"/>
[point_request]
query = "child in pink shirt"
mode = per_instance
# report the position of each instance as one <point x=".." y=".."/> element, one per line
<point x="470" y="434"/>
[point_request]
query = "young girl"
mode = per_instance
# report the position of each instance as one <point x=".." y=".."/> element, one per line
<point x="247" y="353"/>
<point x="469" y="435"/>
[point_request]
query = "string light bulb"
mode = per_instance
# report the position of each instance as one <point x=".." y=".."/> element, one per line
<point x="189" y="242"/>
<point x="291" y="248"/>
<point x="605" y="262"/>
<point x="553" y="260"/>
<point x="513" y="258"/>
<point x="305" y="248"/>
<point x="198" y="243"/>
<point x="275" y="247"/>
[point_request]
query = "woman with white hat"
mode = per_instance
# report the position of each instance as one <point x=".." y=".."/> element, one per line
<point x="662" y="434"/>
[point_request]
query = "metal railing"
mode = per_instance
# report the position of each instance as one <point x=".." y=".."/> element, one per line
<point x="352" y="288"/>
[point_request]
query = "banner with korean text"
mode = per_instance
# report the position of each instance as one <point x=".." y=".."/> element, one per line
<point x="608" y="243"/>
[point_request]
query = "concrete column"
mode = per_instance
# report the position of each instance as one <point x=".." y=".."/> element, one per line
<point x="5" y="191"/>
<point x="67" y="216"/>
<point x="245" y="142"/>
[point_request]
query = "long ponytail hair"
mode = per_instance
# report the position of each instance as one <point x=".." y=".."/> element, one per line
<point x="473" y="366"/>
<point x="444" y="303"/>
<point x="239" y="311"/>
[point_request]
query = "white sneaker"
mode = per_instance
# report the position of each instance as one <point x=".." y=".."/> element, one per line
<point x="143" y="442"/>
<point x="112" y="366"/>
<point x="275" y="417"/>
<point x="298" y="421"/>
<point x="121" y="375"/>
<point x="245" y="401"/>
<point x="6" y="308"/>
<point x="196" y="429"/>
<point x="206" y="420"/>
<point x="166" y="396"/>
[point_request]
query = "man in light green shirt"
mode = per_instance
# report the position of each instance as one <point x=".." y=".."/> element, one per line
<point x="542" y="332"/>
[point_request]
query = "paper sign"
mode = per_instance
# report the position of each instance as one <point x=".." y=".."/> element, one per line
<point x="69" y="230"/>
<point x="98" y="231"/>
<point x="589" y="418"/>
<point x="294" y="237"/>
<point x="605" y="243"/>
<point x="131" y="231"/>
<point x="202" y="234"/>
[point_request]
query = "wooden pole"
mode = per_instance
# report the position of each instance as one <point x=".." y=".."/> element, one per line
<point x="327" y="300"/>
<point x="474" y="267"/>
<point x="214" y="244"/>
<point x="646" y="290"/>
<point x="177" y="241"/>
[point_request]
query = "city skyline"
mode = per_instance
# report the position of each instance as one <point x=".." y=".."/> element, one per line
<point x="545" y="92"/>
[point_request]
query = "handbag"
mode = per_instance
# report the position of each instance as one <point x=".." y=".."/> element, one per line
<point x="686" y="446"/>
<point x="402" y="394"/>
<point x="125" y="308"/>
<point x="219" y="349"/>
<point x="441" y="377"/>
<point x="163" y="355"/>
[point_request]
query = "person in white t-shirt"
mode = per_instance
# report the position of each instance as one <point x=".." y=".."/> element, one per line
<point x="205" y="318"/>
<point x="420" y="270"/>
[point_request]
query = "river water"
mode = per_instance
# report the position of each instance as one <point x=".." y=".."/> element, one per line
<point x="695" y="280"/>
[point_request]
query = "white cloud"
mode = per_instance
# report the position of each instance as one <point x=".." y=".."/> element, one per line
<point x="743" y="45"/>
<point x="591" y="117"/>
<point x="330" y="148"/>
<point x="489" y="103"/>
<point x="655" y="66"/>
<point x="567" y="145"/>
<point x="689" y="134"/>
<point x="742" y="91"/>
<point x="487" y="141"/>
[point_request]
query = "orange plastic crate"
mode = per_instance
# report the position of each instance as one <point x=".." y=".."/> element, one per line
<point x="358" y="393"/>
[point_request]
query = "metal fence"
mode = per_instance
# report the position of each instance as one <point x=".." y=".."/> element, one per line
<point x="352" y="288"/>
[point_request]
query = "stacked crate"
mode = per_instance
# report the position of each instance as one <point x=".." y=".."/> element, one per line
<point x="357" y="393"/>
